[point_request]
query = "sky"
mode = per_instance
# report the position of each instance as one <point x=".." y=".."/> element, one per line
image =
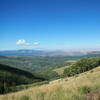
<point x="49" y="24"/>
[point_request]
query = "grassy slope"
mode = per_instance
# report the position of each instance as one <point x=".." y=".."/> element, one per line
<point x="73" y="88"/>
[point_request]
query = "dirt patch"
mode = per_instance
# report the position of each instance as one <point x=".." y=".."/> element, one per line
<point x="93" y="96"/>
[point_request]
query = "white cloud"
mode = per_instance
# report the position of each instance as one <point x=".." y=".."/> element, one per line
<point x="21" y="42"/>
<point x="36" y="43"/>
<point x="24" y="43"/>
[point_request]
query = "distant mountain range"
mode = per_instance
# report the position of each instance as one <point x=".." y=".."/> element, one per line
<point x="29" y="52"/>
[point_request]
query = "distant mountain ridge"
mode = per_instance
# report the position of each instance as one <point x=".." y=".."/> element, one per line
<point x="30" y="52"/>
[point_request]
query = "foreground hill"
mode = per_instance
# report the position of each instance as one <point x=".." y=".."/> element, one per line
<point x="10" y="76"/>
<point x="84" y="86"/>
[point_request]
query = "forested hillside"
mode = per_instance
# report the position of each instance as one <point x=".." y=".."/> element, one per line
<point x="39" y="65"/>
<point x="82" y="65"/>
<point x="10" y="76"/>
<point x="32" y="63"/>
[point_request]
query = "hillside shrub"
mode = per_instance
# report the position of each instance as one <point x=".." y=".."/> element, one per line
<point x="82" y="65"/>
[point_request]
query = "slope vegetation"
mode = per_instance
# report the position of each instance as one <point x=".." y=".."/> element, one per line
<point x="10" y="76"/>
<point x="78" y="87"/>
<point x="41" y="65"/>
<point x="82" y="65"/>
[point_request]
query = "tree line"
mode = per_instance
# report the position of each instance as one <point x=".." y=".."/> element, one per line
<point x="84" y="64"/>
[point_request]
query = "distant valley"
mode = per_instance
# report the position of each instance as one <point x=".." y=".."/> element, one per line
<point x="50" y="53"/>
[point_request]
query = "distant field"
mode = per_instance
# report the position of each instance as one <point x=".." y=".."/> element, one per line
<point x="71" y="61"/>
<point x="60" y="70"/>
<point x="85" y="86"/>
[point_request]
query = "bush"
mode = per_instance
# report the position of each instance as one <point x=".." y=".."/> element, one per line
<point x="85" y="89"/>
<point x="25" y="98"/>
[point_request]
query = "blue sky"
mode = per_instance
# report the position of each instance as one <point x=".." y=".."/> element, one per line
<point x="49" y="24"/>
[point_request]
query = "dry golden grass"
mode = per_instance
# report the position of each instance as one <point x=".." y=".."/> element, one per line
<point x="73" y="88"/>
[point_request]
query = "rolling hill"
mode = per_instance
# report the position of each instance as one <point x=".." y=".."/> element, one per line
<point x="41" y="65"/>
<point x="80" y="81"/>
<point x="85" y="86"/>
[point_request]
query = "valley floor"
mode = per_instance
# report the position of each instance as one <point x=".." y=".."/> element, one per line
<point x="85" y="86"/>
